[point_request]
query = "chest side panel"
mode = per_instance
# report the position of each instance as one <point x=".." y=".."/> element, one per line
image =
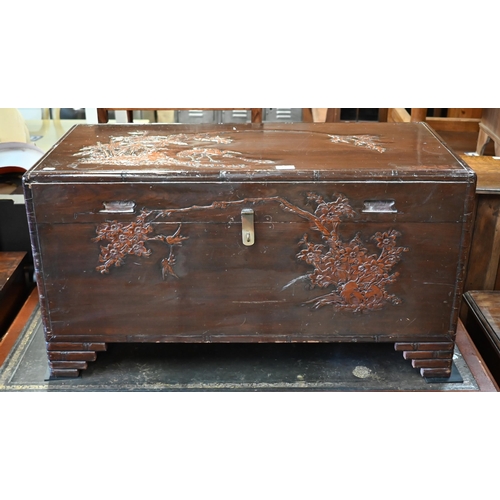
<point x="331" y="261"/>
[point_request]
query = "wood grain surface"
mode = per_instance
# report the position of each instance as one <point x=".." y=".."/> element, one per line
<point x="361" y="234"/>
<point x="13" y="287"/>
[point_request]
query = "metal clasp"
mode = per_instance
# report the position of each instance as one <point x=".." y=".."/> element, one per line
<point x="247" y="227"/>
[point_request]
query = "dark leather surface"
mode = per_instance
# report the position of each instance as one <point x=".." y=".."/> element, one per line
<point x="225" y="367"/>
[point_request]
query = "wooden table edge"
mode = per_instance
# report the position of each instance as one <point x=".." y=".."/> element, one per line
<point x="474" y="361"/>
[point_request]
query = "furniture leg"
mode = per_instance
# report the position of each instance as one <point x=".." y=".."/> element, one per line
<point x="66" y="359"/>
<point x="434" y="359"/>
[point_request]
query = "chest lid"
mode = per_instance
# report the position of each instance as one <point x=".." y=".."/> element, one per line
<point x="250" y="152"/>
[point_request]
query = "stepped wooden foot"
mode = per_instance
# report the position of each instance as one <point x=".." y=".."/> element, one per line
<point x="434" y="359"/>
<point x="66" y="359"/>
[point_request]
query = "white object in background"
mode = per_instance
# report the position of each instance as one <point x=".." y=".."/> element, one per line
<point x="91" y="115"/>
<point x="121" y="116"/>
<point x="31" y="113"/>
<point x="18" y="156"/>
<point x="12" y="126"/>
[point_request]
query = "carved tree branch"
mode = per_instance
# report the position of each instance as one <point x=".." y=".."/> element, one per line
<point x="285" y="204"/>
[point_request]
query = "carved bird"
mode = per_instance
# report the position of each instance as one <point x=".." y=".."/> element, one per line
<point x="167" y="267"/>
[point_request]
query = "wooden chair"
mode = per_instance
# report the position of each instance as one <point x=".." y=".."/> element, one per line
<point x="457" y="120"/>
<point x="489" y="128"/>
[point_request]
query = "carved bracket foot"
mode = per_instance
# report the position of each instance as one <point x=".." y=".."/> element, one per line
<point x="66" y="359"/>
<point x="434" y="359"/>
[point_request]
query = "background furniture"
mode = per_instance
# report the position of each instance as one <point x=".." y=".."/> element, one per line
<point x="489" y="128"/>
<point x="483" y="271"/>
<point x="459" y="128"/>
<point x="308" y="115"/>
<point x="456" y="119"/>
<point x="13" y="287"/>
<point x="103" y="113"/>
<point x="483" y="325"/>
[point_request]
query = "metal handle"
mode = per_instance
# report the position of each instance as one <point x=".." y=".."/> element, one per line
<point x="380" y="206"/>
<point x="247" y="227"/>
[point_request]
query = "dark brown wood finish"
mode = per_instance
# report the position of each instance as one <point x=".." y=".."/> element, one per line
<point x="483" y="324"/>
<point x="474" y="360"/>
<point x="483" y="270"/>
<point x="13" y="287"/>
<point x="361" y="235"/>
<point x="8" y="341"/>
<point x="432" y="358"/>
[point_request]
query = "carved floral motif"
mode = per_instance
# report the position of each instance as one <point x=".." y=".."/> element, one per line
<point x="363" y="141"/>
<point x="355" y="278"/>
<point x="130" y="239"/>
<point x="189" y="150"/>
<point x="180" y="150"/>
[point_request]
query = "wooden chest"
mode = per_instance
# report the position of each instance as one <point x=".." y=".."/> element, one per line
<point x="351" y="232"/>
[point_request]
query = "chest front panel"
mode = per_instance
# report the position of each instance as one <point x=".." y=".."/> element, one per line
<point x="330" y="261"/>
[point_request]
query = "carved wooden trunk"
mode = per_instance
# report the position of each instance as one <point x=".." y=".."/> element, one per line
<point x="250" y="233"/>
